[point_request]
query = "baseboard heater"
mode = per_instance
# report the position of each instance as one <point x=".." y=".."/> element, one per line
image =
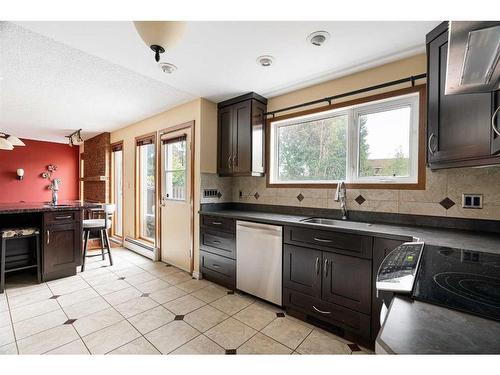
<point x="140" y="247"/>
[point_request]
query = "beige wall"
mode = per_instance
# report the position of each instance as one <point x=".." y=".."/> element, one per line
<point x="204" y="116"/>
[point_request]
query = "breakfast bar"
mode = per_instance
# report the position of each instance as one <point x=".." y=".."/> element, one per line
<point x="60" y="228"/>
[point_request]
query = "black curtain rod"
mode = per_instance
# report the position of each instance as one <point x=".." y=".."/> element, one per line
<point x="329" y="99"/>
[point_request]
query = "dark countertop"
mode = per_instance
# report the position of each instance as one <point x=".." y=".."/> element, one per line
<point x="461" y="239"/>
<point x="414" y="327"/>
<point x="27" y="207"/>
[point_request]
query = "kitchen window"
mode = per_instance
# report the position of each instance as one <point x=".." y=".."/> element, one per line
<point x="374" y="142"/>
<point x="146" y="188"/>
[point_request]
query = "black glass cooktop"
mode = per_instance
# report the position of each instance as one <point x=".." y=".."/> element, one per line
<point x="460" y="279"/>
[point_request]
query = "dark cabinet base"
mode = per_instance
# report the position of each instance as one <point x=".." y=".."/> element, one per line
<point x="218" y="269"/>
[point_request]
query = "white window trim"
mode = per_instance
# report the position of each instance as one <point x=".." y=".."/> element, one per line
<point x="352" y="160"/>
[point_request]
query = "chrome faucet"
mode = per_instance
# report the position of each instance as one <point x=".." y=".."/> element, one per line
<point x="340" y="196"/>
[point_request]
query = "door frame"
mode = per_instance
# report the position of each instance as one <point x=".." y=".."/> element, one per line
<point x="112" y="191"/>
<point x="186" y="125"/>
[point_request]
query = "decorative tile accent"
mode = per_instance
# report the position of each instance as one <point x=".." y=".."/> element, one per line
<point x="447" y="203"/>
<point x="230" y="351"/>
<point x="354" y="347"/>
<point x="121" y="278"/>
<point x="360" y="199"/>
<point x="55" y="296"/>
<point x="145" y="294"/>
<point x="230" y="292"/>
<point x="168" y="265"/>
<point x="280" y="315"/>
<point x="70" y="321"/>
<point x="256" y="195"/>
<point x="179" y="317"/>
<point x="300" y="197"/>
<point x="219" y="195"/>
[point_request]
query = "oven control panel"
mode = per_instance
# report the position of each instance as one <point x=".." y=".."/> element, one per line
<point x="398" y="270"/>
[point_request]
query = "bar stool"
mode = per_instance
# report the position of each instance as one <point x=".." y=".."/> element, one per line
<point x="102" y="226"/>
<point x="10" y="234"/>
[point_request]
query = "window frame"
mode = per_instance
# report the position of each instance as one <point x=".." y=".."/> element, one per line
<point x="117" y="147"/>
<point x="357" y="106"/>
<point x="138" y="194"/>
<point x="166" y="144"/>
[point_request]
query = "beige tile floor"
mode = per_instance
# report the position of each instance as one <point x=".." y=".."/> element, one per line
<point x="142" y="307"/>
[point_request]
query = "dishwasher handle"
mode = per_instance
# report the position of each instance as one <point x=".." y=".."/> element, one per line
<point x="271" y="229"/>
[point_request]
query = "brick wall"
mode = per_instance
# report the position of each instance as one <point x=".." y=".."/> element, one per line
<point x="97" y="166"/>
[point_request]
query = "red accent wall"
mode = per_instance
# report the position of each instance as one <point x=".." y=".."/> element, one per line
<point x="34" y="158"/>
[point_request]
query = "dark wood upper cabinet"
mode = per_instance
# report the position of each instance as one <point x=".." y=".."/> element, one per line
<point x="241" y="136"/>
<point x="459" y="130"/>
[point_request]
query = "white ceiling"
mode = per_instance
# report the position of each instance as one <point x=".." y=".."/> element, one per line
<point x="100" y="76"/>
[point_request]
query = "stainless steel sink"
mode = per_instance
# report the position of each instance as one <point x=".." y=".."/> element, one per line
<point x="335" y="223"/>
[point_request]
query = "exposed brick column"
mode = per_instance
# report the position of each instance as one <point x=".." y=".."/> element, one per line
<point x="96" y="170"/>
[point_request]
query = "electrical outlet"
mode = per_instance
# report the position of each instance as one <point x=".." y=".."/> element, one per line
<point x="472" y="200"/>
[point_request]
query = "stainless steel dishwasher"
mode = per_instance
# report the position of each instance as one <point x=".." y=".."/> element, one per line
<point x="259" y="260"/>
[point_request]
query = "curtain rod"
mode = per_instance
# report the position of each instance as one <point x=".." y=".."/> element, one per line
<point x="329" y="99"/>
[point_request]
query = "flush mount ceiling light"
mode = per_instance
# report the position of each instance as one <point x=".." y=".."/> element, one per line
<point x="318" y="38"/>
<point x="167" y="68"/>
<point x="75" y="138"/>
<point x="265" y="60"/>
<point x="7" y="142"/>
<point x="160" y="35"/>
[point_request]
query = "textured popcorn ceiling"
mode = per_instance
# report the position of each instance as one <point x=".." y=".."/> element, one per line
<point x="48" y="89"/>
<point x="100" y="76"/>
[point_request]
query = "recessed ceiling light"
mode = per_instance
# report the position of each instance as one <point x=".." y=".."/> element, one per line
<point x="265" y="60"/>
<point x="318" y="38"/>
<point x="167" y="67"/>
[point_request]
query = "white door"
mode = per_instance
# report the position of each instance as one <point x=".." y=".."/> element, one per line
<point x="176" y="199"/>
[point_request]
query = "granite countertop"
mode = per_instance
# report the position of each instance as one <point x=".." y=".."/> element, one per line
<point x="461" y="239"/>
<point x="414" y="327"/>
<point x="26" y="207"/>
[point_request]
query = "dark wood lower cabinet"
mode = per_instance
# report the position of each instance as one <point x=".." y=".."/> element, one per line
<point x="218" y="269"/>
<point x="302" y="270"/>
<point x="347" y="281"/>
<point x="61" y="245"/>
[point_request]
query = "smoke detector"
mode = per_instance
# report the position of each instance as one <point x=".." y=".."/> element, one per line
<point x="265" y="60"/>
<point x="318" y="38"/>
<point x="167" y="67"/>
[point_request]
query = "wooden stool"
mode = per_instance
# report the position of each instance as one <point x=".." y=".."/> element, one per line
<point x="8" y="235"/>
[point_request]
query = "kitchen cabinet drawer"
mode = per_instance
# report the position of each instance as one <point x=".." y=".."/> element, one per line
<point x="220" y="223"/>
<point x="61" y="217"/>
<point x="343" y="243"/>
<point x="220" y="243"/>
<point x="218" y="269"/>
<point x="352" y="321"/>
<point x="302" y="270"/>
<point x="347" y="281"/>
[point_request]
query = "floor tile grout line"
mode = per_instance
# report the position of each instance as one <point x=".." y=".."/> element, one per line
<point x="11" y="323"/>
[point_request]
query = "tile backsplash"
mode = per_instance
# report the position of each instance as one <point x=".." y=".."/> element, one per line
<point x="442" y="196"/>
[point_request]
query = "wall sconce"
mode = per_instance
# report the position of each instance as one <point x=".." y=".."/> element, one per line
<point x="20" y="174"/>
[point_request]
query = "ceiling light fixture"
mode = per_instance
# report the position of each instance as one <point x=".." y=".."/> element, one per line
<point x="167" y="67"/>
<point x="318" y="38"/>
<point x="8" y="141"/>
<point x="75" y="138"/>
<point x="265" y="60"/>
<point x="160" y="35"/>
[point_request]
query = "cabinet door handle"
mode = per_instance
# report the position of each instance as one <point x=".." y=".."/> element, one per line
<point x="321" y="240"/>
<point x="48" y="237"/>
<point x="429" y="144"/>
<point x="325" y="268"/>
<point x="317" y="266"/>
<point x="215" y="241"/>
<point x="229" y="163"/>
<point x="63" y="217"/>
<point x="321" y="311"/>
<point x="215" y="265"/>
<point x="216" y="223"/>
<point x="493" y="126"/>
